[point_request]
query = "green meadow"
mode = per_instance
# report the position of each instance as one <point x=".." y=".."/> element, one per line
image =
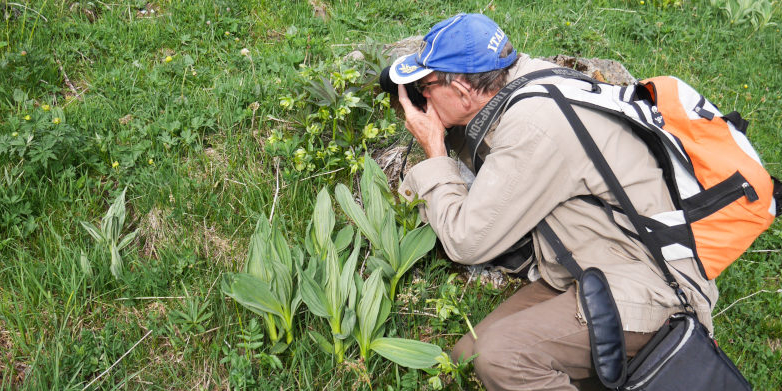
<point x="212" y="118"/>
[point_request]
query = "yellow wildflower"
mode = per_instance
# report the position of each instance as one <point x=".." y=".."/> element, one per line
<point x="169" y="59"/>
<point x="46" y="107"/>
<point x="56" y="120"/>
<point x="27" y="117"/>
<point x="115" y="164"/>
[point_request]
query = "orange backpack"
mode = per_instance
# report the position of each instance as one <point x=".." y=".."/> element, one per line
<point x="724" y="197"/>
<point x="734" y="202"/>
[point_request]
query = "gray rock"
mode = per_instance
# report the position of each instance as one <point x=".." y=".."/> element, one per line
<point x="609" y="71"/>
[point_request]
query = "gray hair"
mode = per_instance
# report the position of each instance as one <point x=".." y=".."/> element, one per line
<point x="482" y="82"/>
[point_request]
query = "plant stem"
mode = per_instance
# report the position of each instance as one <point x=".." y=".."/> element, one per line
<point x="392" y="286"/>
<point x="272" y="327"/>
<point x="469" y="325"/>
<point x="339" y="350"/>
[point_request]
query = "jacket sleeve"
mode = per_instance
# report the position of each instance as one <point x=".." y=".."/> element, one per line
<point x="524" y="177"/>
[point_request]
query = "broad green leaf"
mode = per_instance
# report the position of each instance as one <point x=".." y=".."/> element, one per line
<point x="296" y="302"/>
<point x="323" y="219"/>
<point x="322" y="342"/>
<point x="346" y="278"/>
<point x="334" y="295"/>
<point x="282" y="284"/>
<point x="378" y="176"/>
<point x="348" y="322"/>
<point x="407" y="352"/>
<point x="351" y="208"/>
<point x="374" y="263"/>
<point x="84" y="262"/>
<point x="116" y="263"/>
<point x="259" y="253"/>
<point x="375" y="206"/>
<point x="281" y="248"/>
<point x="342" y="241"/>
<point x="312" y="294"/>
<point x="389" y="240"/>
<point x="279" y="347"/>
<point x="126" y="240"/>
<point x="309" y="245"/>
<point x="382" y="315"/>
<point x="369" y="306"/>
<point x="415" y="245"/>
<point x="114" y="219"/>
<point x="255" y="294"/>
<point x="93" y="231"/>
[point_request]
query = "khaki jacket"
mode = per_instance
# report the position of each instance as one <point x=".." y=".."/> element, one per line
<point x="534" y="168"/>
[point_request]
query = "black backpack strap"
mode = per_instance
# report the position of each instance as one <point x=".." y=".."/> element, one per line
<point x="477" y="128"/>
<point x="606" y="338"/>
<point x="616" y="189"/>
<point x="737" y="120"/>
<point x="563" y="256"/>
<point x="777" y="195"/>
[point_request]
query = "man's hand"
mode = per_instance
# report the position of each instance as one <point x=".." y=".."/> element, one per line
<point x="425" y="126"/>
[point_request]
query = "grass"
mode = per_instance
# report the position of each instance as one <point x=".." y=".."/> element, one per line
<point x="190" y="151"/>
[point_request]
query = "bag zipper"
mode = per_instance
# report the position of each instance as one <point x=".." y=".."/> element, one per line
<point x="743" y="189"/>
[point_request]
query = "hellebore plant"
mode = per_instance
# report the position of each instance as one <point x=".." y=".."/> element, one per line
<point x="399" y="249"/>
<point x="372" y="312"/>
<point x="327" y="285"/>
<point x="267" y="285"/>
<point x="109" y="233"/>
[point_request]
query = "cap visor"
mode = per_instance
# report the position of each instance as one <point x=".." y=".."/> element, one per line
<point x="406" y="70"/>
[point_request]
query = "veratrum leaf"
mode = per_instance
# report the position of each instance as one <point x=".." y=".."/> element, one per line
<point x="313" y="295"/>
<point x="407" y="352"/>
<point x="342" y="241"/>
<point x="349" y="268"/>
<point x="348" y="322"/>
<point x="389" y="240"/>
<point x="84" y="262"/>
<point x="415" y="245"/>
<point x="369" y="306"/>
<point x="93" y="231"/>
<point x="116" y="263"/>
<point x="322" y="342"/>
<point x="255" y="294"/>
<point x="379" y="263"/>
<point x="126" y="240"/>
<point x="349" y="206"/>
<point x="323" y="219"/>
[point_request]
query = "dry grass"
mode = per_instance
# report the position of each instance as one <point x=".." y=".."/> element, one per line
<point x="15" y="370"/>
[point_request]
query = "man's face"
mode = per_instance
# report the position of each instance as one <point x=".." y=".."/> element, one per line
<point x="444" y="99"/>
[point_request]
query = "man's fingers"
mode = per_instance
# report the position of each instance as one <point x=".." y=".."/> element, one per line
<point x="404" y="100"/>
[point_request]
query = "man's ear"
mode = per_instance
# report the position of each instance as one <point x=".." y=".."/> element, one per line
<point x="465" y="97"/>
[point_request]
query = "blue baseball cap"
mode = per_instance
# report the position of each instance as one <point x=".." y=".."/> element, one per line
<point x="465" y="43"/>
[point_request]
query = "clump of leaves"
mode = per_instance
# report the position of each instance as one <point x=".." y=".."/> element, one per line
<point x="333" y="290"/>
<point x="448" y="303"/>
<point x="372" y="312"/>
<point x="327" y="285"/>
<point x="240" y="359"/>
<point x="395" y="249"/>
<point x="334" y="116"/>
<point x="456" y="372"/>
<point x="109" y="234"/>
<point x="757" y="12"/>
<point x="266" y="286"/>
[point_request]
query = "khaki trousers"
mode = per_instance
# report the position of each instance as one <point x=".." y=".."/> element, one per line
<point x="533" y="341"/>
